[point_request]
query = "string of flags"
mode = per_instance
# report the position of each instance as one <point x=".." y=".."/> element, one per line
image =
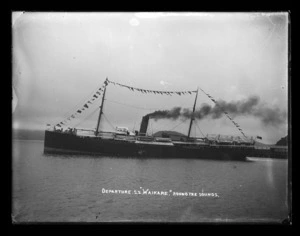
<point x="99" y="91"/>
<point x="86" y="105"/>
<point x="170" y="93"/>
<point x="226" y="113"/>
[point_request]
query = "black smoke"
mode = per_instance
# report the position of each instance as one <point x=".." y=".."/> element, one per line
<point x="251" y="106"/>
<point x="173" y="114"/>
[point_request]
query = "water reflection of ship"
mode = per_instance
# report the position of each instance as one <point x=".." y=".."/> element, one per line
<point x="163" y="144"/>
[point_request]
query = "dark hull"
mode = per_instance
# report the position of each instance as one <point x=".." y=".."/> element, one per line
<point x="59" y="143"/>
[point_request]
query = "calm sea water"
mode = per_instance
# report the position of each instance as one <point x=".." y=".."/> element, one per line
<point x="48" y="188"/>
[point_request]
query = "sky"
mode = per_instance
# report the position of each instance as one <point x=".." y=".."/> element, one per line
<point x="59" y="59"/>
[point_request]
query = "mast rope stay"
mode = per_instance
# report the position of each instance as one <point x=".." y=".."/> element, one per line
<point x="199" y="129"/>
<point x="113" y="127"/>
<point x="177" y="125"/>
<point x="87" y="117"/>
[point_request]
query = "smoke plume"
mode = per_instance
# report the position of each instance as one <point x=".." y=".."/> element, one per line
<point x="247" y="107"/>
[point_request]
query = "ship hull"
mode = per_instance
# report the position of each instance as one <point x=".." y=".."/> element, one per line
<point x="65" y="143"/>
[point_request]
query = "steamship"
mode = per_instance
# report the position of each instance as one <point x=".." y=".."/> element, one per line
<point x="122" y="143"/>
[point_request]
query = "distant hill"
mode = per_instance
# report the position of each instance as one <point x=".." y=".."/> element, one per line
<point x="282" y="142"/>
<point x="28" y="134"/>
<point x="170" y="134"/>
<point x="160" y="133"/>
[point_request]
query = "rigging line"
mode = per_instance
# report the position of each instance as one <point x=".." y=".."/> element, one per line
<point x="108" y="121"/>
<point x="199" y="128"/>
<point x="176" y="126"/>
<point x="124" y="104"/>
<point x="87" y="117"/>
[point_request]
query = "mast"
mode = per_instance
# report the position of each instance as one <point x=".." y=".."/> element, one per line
<point x="101" y="108"/>
<point x="192" y="118"/>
